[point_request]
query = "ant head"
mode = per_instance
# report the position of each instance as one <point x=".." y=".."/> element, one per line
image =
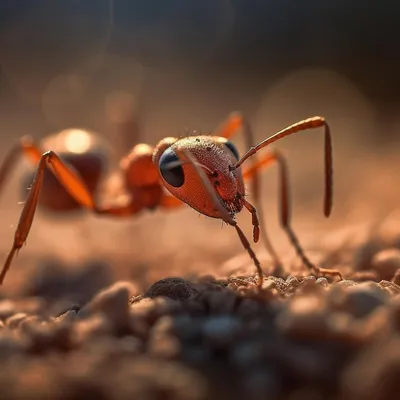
<point x="216" y="156"/>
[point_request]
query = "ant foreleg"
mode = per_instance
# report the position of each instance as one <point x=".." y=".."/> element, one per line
<point x="254" y="220"/>
<point x="236" y="122"/>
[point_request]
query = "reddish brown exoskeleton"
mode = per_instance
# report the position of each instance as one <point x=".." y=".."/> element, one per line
<point x="204" y="172"/>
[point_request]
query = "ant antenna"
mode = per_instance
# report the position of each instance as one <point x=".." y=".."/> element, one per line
<point x="314" y="122"/>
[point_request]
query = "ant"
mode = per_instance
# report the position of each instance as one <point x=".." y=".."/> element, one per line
<point x="204" y="172"/>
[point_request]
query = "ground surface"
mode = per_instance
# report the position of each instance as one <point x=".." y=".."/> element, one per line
<point x="73" y="332"/>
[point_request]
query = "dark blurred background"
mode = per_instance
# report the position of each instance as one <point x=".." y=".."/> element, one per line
<point x="60" y="59"/>
<point x="184" y="65"/>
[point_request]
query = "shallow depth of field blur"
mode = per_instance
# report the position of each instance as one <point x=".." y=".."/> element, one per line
<point x="184" y="66"/>
<point x="164" y="305"/>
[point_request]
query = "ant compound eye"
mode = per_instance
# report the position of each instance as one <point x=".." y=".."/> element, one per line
<point x="233" y="149"/>
<point x="170" y="169"/>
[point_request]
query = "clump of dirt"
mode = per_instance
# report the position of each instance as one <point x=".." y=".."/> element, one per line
<point x="74" y="334"/>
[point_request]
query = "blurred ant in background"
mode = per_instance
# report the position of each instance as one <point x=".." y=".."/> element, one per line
<point x="204" y="172"/>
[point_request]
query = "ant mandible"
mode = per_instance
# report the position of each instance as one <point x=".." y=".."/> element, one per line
<point x="203" y="172"/>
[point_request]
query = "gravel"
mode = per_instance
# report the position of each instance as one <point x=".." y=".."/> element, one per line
<point x="300" y="337"/>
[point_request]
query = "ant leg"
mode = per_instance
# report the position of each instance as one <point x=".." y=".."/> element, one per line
<point x="269" y="158"/>
<point x="25" y="147"/>
<point x="225" y="216"/>
<point x="254" y="220"/>
<point x="229" y="128"/>
<point x="74" y="184"/>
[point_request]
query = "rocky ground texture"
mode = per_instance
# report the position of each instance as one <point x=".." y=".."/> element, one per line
<point x="72" y="336"/>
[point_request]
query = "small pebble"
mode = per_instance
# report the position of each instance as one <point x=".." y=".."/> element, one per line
<point x="91" y="328"/>
<point x="174" y="288"/>
<point x="304" y="317"/>
<point x="113" y="302"/>
<point x="386" y="263"/>
<point x="364" y="298"/>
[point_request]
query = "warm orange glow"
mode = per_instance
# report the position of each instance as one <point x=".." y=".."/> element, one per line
<point x="77" y="140"/>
